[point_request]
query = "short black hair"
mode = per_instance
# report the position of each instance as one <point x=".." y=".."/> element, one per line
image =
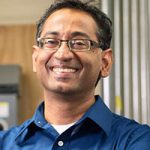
<point x="104" y="33"/>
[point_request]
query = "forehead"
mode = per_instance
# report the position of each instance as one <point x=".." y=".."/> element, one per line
<point x="70" y="20"/>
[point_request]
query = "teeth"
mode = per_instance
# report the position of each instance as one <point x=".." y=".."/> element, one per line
<point x="63" y="70"/>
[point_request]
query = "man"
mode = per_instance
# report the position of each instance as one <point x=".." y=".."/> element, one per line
<point x="72" y="53"/>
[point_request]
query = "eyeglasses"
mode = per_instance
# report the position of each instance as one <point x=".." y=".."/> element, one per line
<point x="73" y="44"/>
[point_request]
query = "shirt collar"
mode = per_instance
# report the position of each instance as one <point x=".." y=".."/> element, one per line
<point x="38" y="117"/>
<point x="99" y="113"/>
<point x="35" y="123"/>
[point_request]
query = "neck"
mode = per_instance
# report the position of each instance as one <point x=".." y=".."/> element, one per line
<point x="65" y="110"/>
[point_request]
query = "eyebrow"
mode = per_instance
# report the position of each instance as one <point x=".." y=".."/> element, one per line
<point x="74" y="34"/>
<point x="77" y="33"/>
<point x="50" y="33"/>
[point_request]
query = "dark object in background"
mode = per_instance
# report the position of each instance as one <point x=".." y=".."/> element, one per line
<point x="10" y="77"/>
<point x="1" y="127"/>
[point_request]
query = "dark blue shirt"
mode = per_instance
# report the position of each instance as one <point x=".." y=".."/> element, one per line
<point x="98" y="129"/>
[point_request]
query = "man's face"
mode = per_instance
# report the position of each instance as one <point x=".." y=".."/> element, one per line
<point x="64" y="71"/>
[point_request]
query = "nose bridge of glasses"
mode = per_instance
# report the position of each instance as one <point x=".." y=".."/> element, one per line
<point x="63" y="52"/>
<point x="66" y="43"/>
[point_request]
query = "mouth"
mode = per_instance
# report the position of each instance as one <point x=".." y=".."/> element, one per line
<point x="63" y="70"/>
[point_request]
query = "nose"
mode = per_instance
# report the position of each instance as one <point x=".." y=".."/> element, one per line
<point x="63" y="52"/>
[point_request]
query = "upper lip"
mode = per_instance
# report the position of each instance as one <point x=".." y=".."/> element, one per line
<point x="63" y="67"/>
<point x="76" y="67"/>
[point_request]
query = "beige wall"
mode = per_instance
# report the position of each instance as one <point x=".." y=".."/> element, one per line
<point x="16" y="48"/>
<point x="22" y="11"/>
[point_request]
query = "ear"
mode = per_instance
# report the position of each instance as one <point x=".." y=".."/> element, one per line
<point x="34" y="56"/>
<point x="107" y="61"/>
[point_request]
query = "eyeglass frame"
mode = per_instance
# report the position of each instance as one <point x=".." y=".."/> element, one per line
<point x="92" y="44"/>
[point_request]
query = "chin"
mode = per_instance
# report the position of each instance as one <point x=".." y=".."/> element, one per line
<point x="63" y="90"/>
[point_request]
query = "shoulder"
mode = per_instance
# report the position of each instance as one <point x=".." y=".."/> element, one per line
<point x="8" y="136"/>
<point x="133" y="134"/>
<point x="13" y="132"/>
<point x="125" y="124"/>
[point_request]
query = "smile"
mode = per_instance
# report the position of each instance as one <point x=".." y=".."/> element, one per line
<point x="64" y="70"/>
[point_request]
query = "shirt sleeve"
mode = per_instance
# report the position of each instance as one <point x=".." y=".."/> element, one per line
<point x="140" y="139"/>
<point x="1" y="139"/>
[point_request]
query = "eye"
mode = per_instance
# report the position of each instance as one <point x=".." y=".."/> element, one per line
<point x="50" y="43"/>
<point x="79" y="44"/>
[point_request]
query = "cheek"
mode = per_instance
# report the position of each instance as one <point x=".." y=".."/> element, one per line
<point x="43" y="58"/>
<point x="96" y="68"/>
<point x="94" y="62"/>
<point x="41" y="61"/>
<point x="92" y="69"/>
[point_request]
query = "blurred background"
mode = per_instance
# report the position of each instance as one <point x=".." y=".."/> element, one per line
<point x="126" y="91"/>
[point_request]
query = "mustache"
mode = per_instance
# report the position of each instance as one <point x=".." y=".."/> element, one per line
<point x="64" y="64"/>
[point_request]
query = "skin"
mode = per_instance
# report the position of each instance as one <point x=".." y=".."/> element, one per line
<point x="68" y="78"/>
